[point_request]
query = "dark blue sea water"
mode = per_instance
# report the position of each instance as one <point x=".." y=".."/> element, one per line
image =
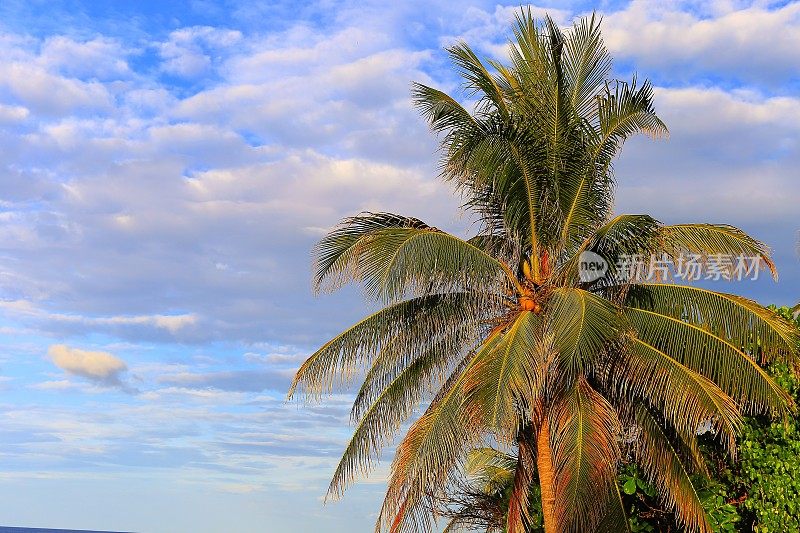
<point x="7" y="529"/>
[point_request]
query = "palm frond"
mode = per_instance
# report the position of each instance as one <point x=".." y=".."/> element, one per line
<point x="717" y="359"/>
<point x="623" y="112"/>
<point x="744" y="323"/>
<point x="429" y="452"/>
<point x="396" y="257"/>
<point x="393" y="405"/>
<point x="478" y="80"/>
<point x="624" y="235"/>
<point x="663" y="467"/>
<point x="587" y="64"/>
<point x="581" y="324"/>
<point x="519" y="515"/>
<point x="505" y="382"/>
<point x="584" y="433"/>
<point x="340" y="359"/>
<point x="683" y="397"/>
<point x="708" y="240"/>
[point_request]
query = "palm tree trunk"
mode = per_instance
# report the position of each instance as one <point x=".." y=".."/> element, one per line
<point x="544" y="463"/>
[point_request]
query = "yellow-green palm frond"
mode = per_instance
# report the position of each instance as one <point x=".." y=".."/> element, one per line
<point x="623" y="235"/>
<point x="442" y="111"/>
<point x="478" y="80"/>
<point x="395" y="257"/>
<point x="340" y="359"/>
<point x="661" y="462"/>
<point x="585" y="432"/>
<point x="491" y="468"/>
<point x="507" y="379"/>
<point x="623" y="112"/>
<point x="445" y="332"/>
<point x="380" y="415"/>
<point x="427" y="456"/>
<point x="698" y="348"/>
<point x="587" y="65"/>
<point x="744" y="323"/>
<point x="683" y="397"/>
<point x="581" y="324"/>
<point x="707" y="240"/>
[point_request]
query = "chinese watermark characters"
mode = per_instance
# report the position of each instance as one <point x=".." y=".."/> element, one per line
<point x="684" y="267"/>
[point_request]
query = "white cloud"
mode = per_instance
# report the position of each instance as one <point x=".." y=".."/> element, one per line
<point x="190" y="52"/>
<point x="757" y="43"/>
<point x="101" y="58"/>
<point x="99" y="367"/>
<point x="12" y="113"/>
<point x="51" y="94"/>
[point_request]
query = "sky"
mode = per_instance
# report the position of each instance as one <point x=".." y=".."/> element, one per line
<point x="166" y="168"/>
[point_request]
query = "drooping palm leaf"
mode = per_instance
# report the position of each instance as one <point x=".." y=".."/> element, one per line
<point x="732" y="370"/>
<point x="585" y="432"/>
<point x="662" y="465"/>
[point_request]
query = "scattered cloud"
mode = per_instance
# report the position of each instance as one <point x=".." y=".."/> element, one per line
<point x="99" y="367"/>
<point x="163" y="180"/>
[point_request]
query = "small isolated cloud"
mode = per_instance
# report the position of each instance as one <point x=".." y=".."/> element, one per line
<point x="101" y="368"/>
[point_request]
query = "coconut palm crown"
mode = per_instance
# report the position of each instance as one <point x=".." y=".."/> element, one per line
<point x="501" y="341"/>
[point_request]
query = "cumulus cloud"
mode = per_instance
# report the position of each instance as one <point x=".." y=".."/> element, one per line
<point x="723" y="39"/>
<point x="189" y="52"/>
<point x="101" y="368"/>
<point x="101" y="57"/>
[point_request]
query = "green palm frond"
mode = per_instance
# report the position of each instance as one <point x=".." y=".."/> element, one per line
<point x="706" y="240"/>
<point x="442" y="111"/>
<point x="491" y="467"/>
<point x="508" y="378"/>
<point x="680" y="395"/>
<point x="624" y="235"/>
<point x="340" y="359"/>
<point x="425" y="458"/>
<point x="587" y="65"/>
<point x="744" y="323"/>
<point x="394" y="257"/>
<point x="623" y="112"/>
<point x="662" y="465"/>
<point x="394" y="403"/>
<point x="581" y="324"/>
<point x="447" y="330"/>
<point x="584" y="436"/>
<point x="717" y="359"/>
<point x="478" y="80"/>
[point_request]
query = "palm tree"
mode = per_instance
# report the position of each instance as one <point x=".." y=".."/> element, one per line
<point x="505" y="340"/>
<point x="480" y="500"/>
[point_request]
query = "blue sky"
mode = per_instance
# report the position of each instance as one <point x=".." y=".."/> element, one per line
<point x="167" y="166"/>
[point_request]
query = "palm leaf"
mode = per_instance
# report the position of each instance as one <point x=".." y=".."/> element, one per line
<point x="742" y="322"/>
<point x="584" y="435"/>
<point x="341" y="357"/>
<point x="706" y="240"/>
<point x="664" y="469"/>
<point x="581" y="324"/>
<point x="394" y="257"/>
<point x="717" y="359"/>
